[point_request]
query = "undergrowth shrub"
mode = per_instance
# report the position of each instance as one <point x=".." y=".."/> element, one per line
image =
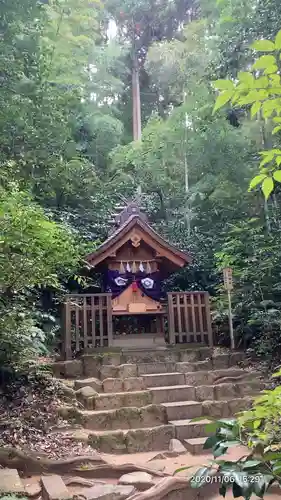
<point x="36" y="253"/>
<point x="258" y="429"/>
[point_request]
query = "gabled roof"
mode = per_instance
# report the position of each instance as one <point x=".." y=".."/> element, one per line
<point x="148" y="235"/>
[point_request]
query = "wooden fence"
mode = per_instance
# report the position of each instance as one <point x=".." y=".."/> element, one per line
<point x="87" y="322"/>
<point x="189" y="318"/>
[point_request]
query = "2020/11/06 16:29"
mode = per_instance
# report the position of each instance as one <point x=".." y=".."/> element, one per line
<point x="226" y="479"/>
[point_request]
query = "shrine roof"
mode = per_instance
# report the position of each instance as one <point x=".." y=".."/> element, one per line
<point x="122" y="234"/>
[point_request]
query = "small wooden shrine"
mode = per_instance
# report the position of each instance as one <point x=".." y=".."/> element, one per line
<point x="133" y="262"/>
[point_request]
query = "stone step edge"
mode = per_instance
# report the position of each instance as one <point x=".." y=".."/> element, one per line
<point x="175" y="387"/>
<point x="126" y="431"/>
<point x="167" y="388"/>
<point x="189" y="422"/>
<point x="195" y="446"/>
<point x="238" y="371"/>
<point x="170" y="404"/>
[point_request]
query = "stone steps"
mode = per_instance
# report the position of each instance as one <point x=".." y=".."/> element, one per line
<point x="92" y="365"/>
<point x="109" y="401"/>
<point x="137" y="401"/>
<point x="152" y="415"/>
<point x="132" y="440"/>
<point x="195" y="446"/>
<point x="113" y="385"/>
<point x="163" y="379"/>
<point x="187" y="429"/>
<point x="127" y="370"/>
<point x="171" y="394"/>
<point x="120" y="418"/>
<point x="181" y="410"/>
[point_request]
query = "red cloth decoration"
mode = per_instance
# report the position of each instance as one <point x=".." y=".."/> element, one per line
<point x="134" y="286"/>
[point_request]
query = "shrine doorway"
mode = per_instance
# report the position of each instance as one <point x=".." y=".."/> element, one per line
<point x="139" y="330"/>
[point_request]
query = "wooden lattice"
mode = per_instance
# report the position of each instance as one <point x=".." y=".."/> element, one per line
<point x="189" y="318"/>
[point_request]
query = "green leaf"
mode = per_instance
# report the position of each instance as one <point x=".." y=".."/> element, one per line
<point x="211" y="427"/>
<point x="256" y="180"/>
<point x="181" y="469"/>
<point x="247" y="78"/>
<point x="222" y="99"/>
<point x="278" y="41"/>
<point x="276" y="467"/>
<point x="276" y="130"/>
<point x="275" y="81"/>
<point x="259" y="486"/>
<point x="222" y="490"/>
<point x="278" y="160"/>
<point x="249" y="464"/>
<point x="220" y="450"/>
<point x="239" y="478"/>
<point x="223" y="85"/>
<point x="269" y="107"/>
<point x="231" y="443"/>
<point x="263" y="46"/>
<point x="252" y="96"/>
<point x="264" y="62"/>
<point x="256" y="424"/>
<point x="268" y="157"/>
<point x="271" y="69"/>
<point x="263" y="81"/>
<point x="227" y="422"/>
<point x="199" y="478"/>
<point x="277" y="177"/>
<point x="236" y="490"/>
<point x="267" y="187"/>
<point x="255" y="108"/>
<point x="210" y="442"/>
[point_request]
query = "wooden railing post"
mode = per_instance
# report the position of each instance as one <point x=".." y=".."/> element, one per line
<point x="109" y="319"/>
<point x="66" y="331"/>
<point x="171" y="319"/>
<point x="208" y="319"/>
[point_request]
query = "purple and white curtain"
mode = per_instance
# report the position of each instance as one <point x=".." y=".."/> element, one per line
<point x="149" y="284"/>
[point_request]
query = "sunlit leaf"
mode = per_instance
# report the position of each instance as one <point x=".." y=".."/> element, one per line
<point x="246" y="77"/>
<point x="256" y="181"/>
<point x="276" y="130"/>
<point x="271" y="69"/>
<point x="182" y="469"/>
<point x="277" y="177"/>
<point x="255" y="108"/>
<point x="264" y="61"/>
<point x="222" y="99"/>
<point x="263" y="46"/>
<point x="223" y="85"/>
<point x="267" y="187"/>
<point x="268" y="157"/>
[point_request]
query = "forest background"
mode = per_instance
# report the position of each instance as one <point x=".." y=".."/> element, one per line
<point x="67" y="156"/>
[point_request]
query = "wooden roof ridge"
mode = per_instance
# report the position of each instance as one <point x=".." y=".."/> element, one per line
<point x="132" y="221"/>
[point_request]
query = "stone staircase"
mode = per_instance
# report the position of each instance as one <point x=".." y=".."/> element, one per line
<point x="136" y="401"/>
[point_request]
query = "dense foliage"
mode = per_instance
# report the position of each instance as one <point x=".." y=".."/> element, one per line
<point x="66" y="156"/>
